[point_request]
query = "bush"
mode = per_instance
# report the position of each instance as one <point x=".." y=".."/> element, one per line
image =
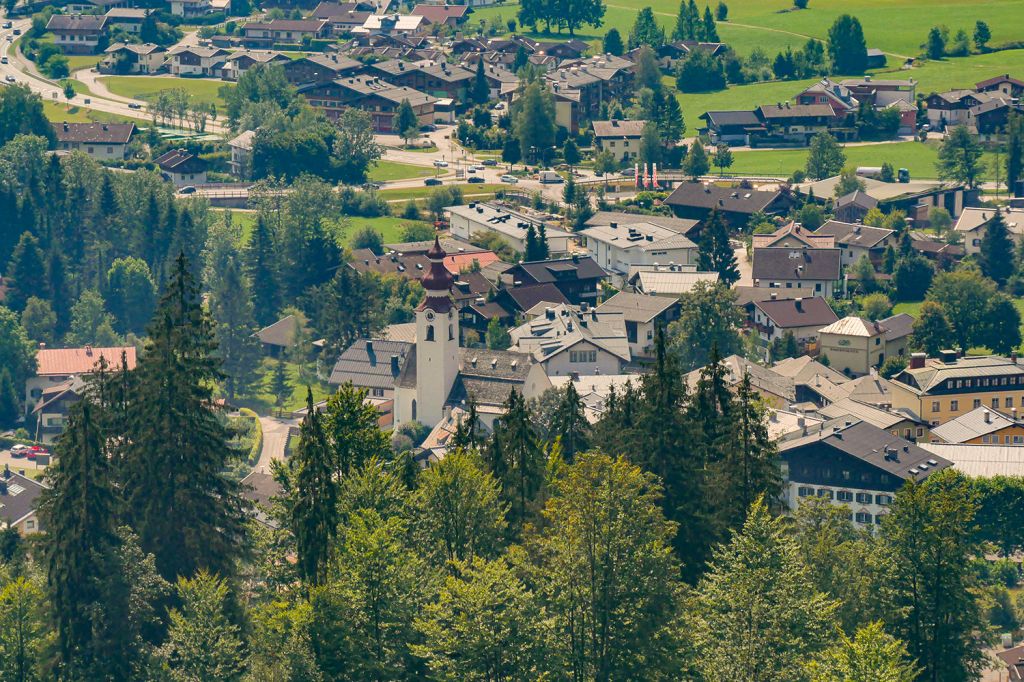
<point x="800" y="4"/>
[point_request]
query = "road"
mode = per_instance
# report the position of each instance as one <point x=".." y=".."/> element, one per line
<point x="275" y="438"/>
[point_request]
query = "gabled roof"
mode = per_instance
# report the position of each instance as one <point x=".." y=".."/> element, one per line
<point x="367" y="363"/>
<point x="680" y="225"/>
<point x="66" y="361"/>
<point x="799" y="312"/>
<point x="936" y="372"/>
<point x="769" y="112"/>
<point x="998" y="80"/>
<point x="529" y="295"/>
<point x="560" y="269"/>
<point x="730" y="199"/>
<point x="986" y="461"/>
<point x="898" y="326"/>
<point x="670" y="282"/>
<point x="298" y="25"/>
<point x="804" y="368"/>
<point x="871" y="445"/>
<point x="618" y="129"/>
<point x="854" y="326"/>
<point x="180" y="161"/>
<point x="19" y="496"/>
<point x="853" y="234"/>
<point x="96" y="133"/>
<point x="559" y="328"/>
<point x="76" y="22"/>
<point x="876" y="416"/>
<point x="794" y="231"/>
<point x="772" y="265"/>
<point x="139" y="49"/>
<point x="857" y="198"/>
<point x="981" y="421"/>
<point x="973" y="218"/>
<point x="731" y="118"/>
<point x="280" y="333"/>
<point x="761" y="378"/>
<point x="437" y="14"/>
<point x="637" y="307"/>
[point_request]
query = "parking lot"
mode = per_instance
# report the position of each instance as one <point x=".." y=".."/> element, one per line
<point x="19" y="463"/>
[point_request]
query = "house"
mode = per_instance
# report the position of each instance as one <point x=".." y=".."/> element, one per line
<point x="578" y="278"/>
<point x="802" y="317"/>
<point x="943" y="388"/>
<point x="983" y="461"/>
<point x="856" y="240"/>
<point x="853" y="207"/>
<point x="101" y="141"/>
<point x="776" y="390"/>
<point x="835" y="95"/>
<point x="58" y="365"/>
<point x="670" y="54"/>
<point x="373" y="95"/>
<point x="290" y="31"/>
<point x="876" y="58"/>
<point x="972" y="225"/>
<point x="566" y="339"/>
<point x="587" y="83"/>
<point x="792" y="235"/>
<point x="371" y="364"/>
<point x="415" y="265"/>
<point x="881" y="93"/>
<point x="571" y="49"/>
<point x="511" y="225"/>
<point x="792" y="124"/>
<point x="855" y="345"/>
<point x="670" y="280"/>
<point x="128" y="58"/>
<point x="619" y="247"/>
<point x="126" y="19"/>
<point x="241" y="154"/>
<point x="260" y="488"/>
<point x="438" y="375"/>
<point x="277" y="338"/>
<point x="916" y="198"/>
<point x="621" y="138"/>
<point x="982" y="426"/>
<point x="731" y="127"/>
<point x="196" y="61"/>
<point x="343" y="16"/>
<point x="191" y="9"/>
<point x="642" y="314"/>
<point x="1003" y="85"/>
<point x="320" y="68"/>
<point x="241" y="61"/>
<point x="475" y="316"/>
<point x="897" y="423"/>
<point x="78" y="33"/>
<point x="854" y="464"/>
<point x="695" y="200"/>
<point x="1013" y="660"/>
<point x="818" y="269"/>
<point x="952" y="108"/>
<point x="594" y="390"/>
<point x="991" y="117"/>
<point x="519" y="299"/>
<point x="440" y="80"/>
<point x="95" y="7"/>
<point x="182" y="167"/>
<point x="51" y="412"/>
<point x="806" y="373"/>
<point x="388" y="24"/>
<point x="19" y="498"/>
<point x="442" y="15"/>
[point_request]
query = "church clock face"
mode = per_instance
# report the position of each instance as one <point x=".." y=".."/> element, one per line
<point x="430" y="315"/>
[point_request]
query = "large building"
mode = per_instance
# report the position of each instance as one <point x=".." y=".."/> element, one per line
<point x="642" y="314"/>
<point x="983" y="426"/>
<point x="57" y="365"/>
<point x="853" y="464"/>
<point x="77" y="33"/>
<point x="580" y="340"/>
<point x="941" y="389"/>
<point x="817" y="269"/>
<point x="618" y="247"/>
<point x="855" y="345"/>
<point x="512" y="226"/>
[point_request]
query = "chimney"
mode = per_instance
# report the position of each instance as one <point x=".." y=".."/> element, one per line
<point x="917" y="360"/>
<point x="799" y="303"/>
<point x="88" y="351"/>
<point x="613" y="225"/>
<point x="394" y="365"/>
<point x="549" y="313"/>
<point x="988" y="416"/>
<point x="3" y="487"/>
<point x="774" y="296"/>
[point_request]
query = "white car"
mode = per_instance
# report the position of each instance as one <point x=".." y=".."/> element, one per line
<point x="479" y="168"/>
<point x="510" y="179"/>
<point x="440" y="163"/>
<point x="19" y="450"/>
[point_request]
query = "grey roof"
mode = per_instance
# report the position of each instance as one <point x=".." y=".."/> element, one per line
<point x="21" y="496"/>
<point x="280" y="333"/>
<point x="76" y="22"/>
<point x="680" y="225"/>
<point x="618" y="129"/>
<point x="869" y="443"/>
<point x="637" y="307"/>
<point x="804" y="368"/>
<point x="981" y="461"/>
<point x="732" y="118"/>
<point x="670" y="282"/>
<point x="761" y="378"/>
<point x="781" y="264"/>
<point x="898" y="326"/>
<point x="770" y="111"/>
<point x="854" y="326"/>
<point x="259" y="487"/>
<point x="527" y="296"/>
<point x="709" y="196"/>
<point x="450" y="245"/>
<point x="852" y="234"/>
<point x="485" y="375"/>
<point x="746" y="295"/>
<point x="883" y="419"/>
<point x="981" y="421"/>
<point x="96" y="133"/>
<point x="367" y="363"/>
<point x="544" y="271"/>
<point x="935" y="372"/>
<point x="857" y="198"/>
<point x="870" y="388"/>
<point x="559" y="328"/>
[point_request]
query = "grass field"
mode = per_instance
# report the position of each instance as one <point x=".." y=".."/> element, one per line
<point x="145" y="87"/>
<point x="424" y="192"/>
<point x="918" y="158"/>
<point x="390" y="227"/>
<point x="262" y="400"/>
<point x="58" y="112"/>
<point x="392" y="170"/>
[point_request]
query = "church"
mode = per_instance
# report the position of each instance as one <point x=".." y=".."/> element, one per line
<point x="438" y="375"/>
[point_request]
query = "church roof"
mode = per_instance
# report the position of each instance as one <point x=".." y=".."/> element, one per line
<point x="486" y="375"/>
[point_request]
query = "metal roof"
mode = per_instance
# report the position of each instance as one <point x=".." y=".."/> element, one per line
<point x="982" y="461"/>
<point x="979" y="422"/>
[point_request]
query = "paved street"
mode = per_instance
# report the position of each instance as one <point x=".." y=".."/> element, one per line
<point x="275" y="438"/>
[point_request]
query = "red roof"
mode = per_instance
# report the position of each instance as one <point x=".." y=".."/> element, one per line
<point x="461" y="261"/>
<point x="438" y="14"/>
<point x="68" y="361"/>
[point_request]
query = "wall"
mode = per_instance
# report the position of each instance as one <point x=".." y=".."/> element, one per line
<point x="853" y="355"/>
<point x="561" y="364"/>
<point x="923" y="406"/>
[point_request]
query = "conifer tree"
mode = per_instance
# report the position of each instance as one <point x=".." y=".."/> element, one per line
<point x="173" y="474"/>
<point x="10" y="405"/>
<point x="79" y="512"/>
<point x="202" y="643"/>
<point x="24" y="275"/>
<point x="521" y="465"/>
<point x="715" y="253"/>
<point x="569" y="424"/>
<point x="481" y="92"/>
<point x="310" y="493"/>
<point x="710" y="32"/>
<point x="232" y="311"/>
<point x="352" y="430"/>
<point x="696" y="163"/>
<point x="467" y="434"/>
<point x="996" y="257"/>
<point x="59" y="290"/>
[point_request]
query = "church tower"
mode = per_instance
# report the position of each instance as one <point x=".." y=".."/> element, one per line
<point x="437" y="341"/>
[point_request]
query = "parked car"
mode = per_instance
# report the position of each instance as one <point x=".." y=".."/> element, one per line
<point x="187" y="189"/>
<point x="17" y="31"/>
<point x="510" y="179"/>
<point x="479" y="167"/>
<point x="88" y="100"/>
<point x="9" y="78"/>
<point x="471" y="170"/>
<point x="476" y="179"/>
<point x="19" y="450"/>
<point x="431" y="182"/>
<point x="549" y="177"/>
<point x="7" y="24"/>
<point x="440" y="163"/>
<point x="36" y="450"/>
<point x="489" y="162"/>
<point x="3" y="60"/>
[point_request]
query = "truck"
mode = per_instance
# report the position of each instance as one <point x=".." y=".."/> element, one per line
<point x="875" y="173"/>
<point x="549" y="177"/>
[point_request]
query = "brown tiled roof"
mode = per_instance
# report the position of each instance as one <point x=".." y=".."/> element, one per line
<point x="76" y="22"/>
<point x="798" y="312"/>
<point x="99" y="133"/>
<point x="616" y="128"/>
<point x="793" y="264"/>
<point x="734" y="200"/>
<point x="439" y="13"/>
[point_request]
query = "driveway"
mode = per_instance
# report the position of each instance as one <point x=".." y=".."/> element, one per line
<point x="275" y="438"/>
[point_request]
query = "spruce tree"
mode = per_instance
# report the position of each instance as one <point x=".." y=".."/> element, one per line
<point x="521" y="465"/>
<point x="715" y="253"/>
<point x="696" y="163"/>
<point x="10" y="405"/>
<point x="996" y="257"/>
<point x="311" y="496"/>
<point x="186" y="511"/>
<point x="467" y="434"/>
<point x="25" y="275"/>
<point x="481" y="92"/>
<point x="79" y="512"/>
<point x="569" y="424"/>
<point x="351" y="426"/>
<point x="232" y="310"/>
<point x="710" y="32"/>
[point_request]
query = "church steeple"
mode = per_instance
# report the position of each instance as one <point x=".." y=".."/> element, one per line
<point x="437" y="340"/>
<point x="437" y="282"/>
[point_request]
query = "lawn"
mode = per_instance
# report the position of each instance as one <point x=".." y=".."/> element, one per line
<point x="58" y="112"/>
<point x="392" y="170"/>
<point x="914" y="309"/>
<point x="145" y="87"/>
<point x="918" y="158"/>
<point x="404" y="193"/>
<point x="263" y="401"/>
<point x="390" y="227"/>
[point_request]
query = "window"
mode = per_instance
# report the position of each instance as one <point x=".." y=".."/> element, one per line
<point x="954" y="405"/>
<point x="1017" y="440"/>
<point x="817" y="287"/>
<point x="451" y="332"/>
<point x="984" y="439"/>
<point x="430" y="332"/>
<point x="878" y="340"/>
<point x="583" y="356"/>
<point x="1009" y="400"/>
<point x="920" y="432"/>
<point x="977" y="403"/>
<point x="883" y="499"/>
<point x="825" y="492"/>
<point x="414" y="409"/>
<point x="378" y="393"/>
<point x="30" y="524"/>
<point x="863" y="517"/>
<point x="804" y="491"/>
<point x="864" y="498"/>
<point x="995" y="403"/>
<point x="935" y="406"/>
<point x="844" y="496"/>
<point x="845" y="474"/>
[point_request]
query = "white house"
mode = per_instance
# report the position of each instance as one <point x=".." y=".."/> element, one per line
<point x="566" y="339"/>
<point x="779" y="268"/>
<point x="801" y="317"/>
<point x="973" y="224"/>
<point x="101" y="141"/>
<point x="241" y="153"/>
<point x="641" y="314"/>
<point x="618" y="247"/>
<point x="512" y="226"/>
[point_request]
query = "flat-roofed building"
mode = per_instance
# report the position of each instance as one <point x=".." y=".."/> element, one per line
<point x="511" y="225"/>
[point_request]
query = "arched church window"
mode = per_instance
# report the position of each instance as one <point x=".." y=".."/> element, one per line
<point x="414" y="409"/>
<point x="430" y="332"/>
<point x="451" y="332"/>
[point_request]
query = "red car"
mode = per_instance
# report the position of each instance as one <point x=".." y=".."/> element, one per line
<point x="37" y="450"/>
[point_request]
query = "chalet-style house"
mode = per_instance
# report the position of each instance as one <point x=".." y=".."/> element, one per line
<point x="101" y="141"/>
<point x="77" y="33"/>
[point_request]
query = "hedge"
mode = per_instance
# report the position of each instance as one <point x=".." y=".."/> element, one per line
<point x="257" y="443"/>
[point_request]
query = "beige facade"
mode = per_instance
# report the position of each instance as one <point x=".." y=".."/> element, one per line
<point x="938" y="390"/>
